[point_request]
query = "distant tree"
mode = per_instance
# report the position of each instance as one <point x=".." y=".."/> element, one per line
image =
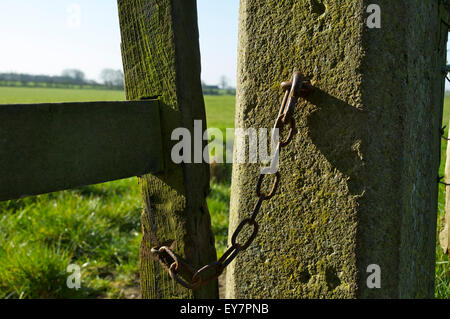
<point x="231" y="91"/>
<point x="112" y="78"/>
<point x="67" y="79"/>
<point x="74" y="74"/>
<point x="223" y="82"/>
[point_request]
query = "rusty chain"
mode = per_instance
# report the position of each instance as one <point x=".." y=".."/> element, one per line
<point x="293" y="90"/>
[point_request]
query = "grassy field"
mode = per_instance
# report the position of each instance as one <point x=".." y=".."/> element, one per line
<point x="442" y="261"/>
<point x="11" y="95"/>
<point x="98" y="227"/>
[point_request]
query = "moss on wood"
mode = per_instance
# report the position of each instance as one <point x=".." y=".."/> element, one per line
<point x="161" y="58"/>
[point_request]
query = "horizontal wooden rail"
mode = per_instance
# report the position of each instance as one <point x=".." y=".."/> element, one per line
<point x="52" y="147"/>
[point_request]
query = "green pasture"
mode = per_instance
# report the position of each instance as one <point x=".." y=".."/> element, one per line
<point x="98" y="227"/>
<point x="13" y="95"/>
<point x="442" y="261"/>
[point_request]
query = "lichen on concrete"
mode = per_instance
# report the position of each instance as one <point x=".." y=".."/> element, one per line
<point x="357" y="183"/>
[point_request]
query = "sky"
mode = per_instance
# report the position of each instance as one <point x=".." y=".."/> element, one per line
<point x="48" y="36"/>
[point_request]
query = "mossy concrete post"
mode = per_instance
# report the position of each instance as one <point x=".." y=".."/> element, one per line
<point x="161" y="57"/>
<point x="359" y="182"/>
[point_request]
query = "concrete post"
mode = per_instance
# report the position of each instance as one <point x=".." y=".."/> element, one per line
<point x="358" y="187"/>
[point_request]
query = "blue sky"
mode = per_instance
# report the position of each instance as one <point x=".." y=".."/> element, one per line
<point x="48" y="36"/>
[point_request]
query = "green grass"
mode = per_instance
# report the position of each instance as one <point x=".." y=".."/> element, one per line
<point x="220" y="111"/>
<point x="13" y="95"/>
<point x="98" y="227"/>
<point x="95" y="227"/>
<point x="220" y="114"/>
<point x="442" y="290"/>
<point x="218" y="205"/>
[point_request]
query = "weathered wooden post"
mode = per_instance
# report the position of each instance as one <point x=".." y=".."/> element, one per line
<point x="161" y="58"/>
<point x="358" y="191"/>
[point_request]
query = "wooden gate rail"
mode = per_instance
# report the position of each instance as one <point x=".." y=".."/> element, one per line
<point x="52" y="147"/>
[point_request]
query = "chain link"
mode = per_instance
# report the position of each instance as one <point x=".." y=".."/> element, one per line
<point x="293" y="90"/>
